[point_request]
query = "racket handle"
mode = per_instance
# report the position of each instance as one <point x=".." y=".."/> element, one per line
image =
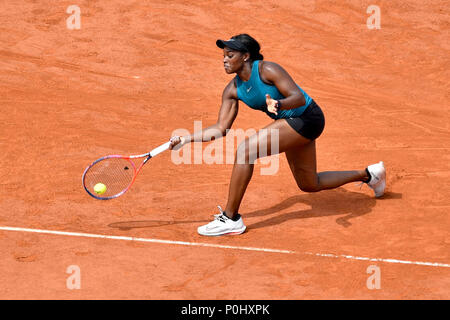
<point x="160" y="149"/>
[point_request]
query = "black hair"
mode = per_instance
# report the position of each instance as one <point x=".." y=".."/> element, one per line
<point x="251" y="45"/>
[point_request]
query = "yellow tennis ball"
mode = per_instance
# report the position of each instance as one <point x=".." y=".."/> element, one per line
<point x="100" y="188"/>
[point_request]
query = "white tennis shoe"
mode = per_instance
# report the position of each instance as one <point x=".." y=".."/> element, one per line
<point x="222" y="225"/>
<point x="377" y="178"/>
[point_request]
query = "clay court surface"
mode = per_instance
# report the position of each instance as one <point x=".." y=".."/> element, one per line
<point x="138" y="70"/>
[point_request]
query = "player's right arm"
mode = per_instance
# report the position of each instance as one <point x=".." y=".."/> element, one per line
<point x="227" y="114"/>
<point x="229" y="109"/>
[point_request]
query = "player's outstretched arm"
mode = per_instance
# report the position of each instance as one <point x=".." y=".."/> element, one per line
<point x="227" y="114"/>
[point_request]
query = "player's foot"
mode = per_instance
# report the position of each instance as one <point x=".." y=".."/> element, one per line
<point x="222" y="225"/>
<point x="377" y="178"/>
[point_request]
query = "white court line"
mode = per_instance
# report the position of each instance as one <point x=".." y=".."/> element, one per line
<point x="420" y="263"/>
<point x="90" y="235"/>
<point x="198" y="244"/>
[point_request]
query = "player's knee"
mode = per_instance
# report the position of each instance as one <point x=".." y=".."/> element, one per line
<point x="308" y="187"/>
<point x="247" y="152"/>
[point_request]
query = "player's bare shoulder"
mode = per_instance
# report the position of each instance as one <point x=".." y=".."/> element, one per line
<point x="271" y="72"/>
<point x="270" y="68"/>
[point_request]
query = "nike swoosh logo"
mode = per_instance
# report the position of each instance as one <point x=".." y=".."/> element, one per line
<point x="248" y="90"/>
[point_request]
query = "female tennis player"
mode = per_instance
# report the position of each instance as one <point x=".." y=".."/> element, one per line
<point x="267" y="87"/>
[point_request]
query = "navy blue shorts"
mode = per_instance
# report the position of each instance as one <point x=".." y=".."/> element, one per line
<point x="310" y="123"/>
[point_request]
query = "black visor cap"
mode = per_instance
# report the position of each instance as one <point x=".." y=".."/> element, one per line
<point x="232" y="44"/>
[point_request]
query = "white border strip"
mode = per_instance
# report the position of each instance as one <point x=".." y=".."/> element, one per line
<point x="184" y="243"/>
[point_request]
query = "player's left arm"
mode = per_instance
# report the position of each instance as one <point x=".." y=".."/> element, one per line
<point x="276" y="75"/>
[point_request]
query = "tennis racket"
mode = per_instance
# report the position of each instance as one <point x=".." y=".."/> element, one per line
<point x="115" y="174"/>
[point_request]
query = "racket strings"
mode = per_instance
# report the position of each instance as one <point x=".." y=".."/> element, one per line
<point x="115" y="173"/>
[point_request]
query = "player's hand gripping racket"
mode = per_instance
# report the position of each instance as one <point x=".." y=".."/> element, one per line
<point x="111" y="176"/>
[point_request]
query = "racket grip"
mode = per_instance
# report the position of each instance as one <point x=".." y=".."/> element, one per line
<point x="160" y="149"/>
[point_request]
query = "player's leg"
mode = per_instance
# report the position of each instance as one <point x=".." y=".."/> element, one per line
<point x="302" y="162"/>
<point x="249" y="150"/>
<point x="302" y="159"/>
<point x="280" y="133"/>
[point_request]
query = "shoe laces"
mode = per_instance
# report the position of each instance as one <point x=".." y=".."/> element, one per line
<point x="220" y="216"/>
